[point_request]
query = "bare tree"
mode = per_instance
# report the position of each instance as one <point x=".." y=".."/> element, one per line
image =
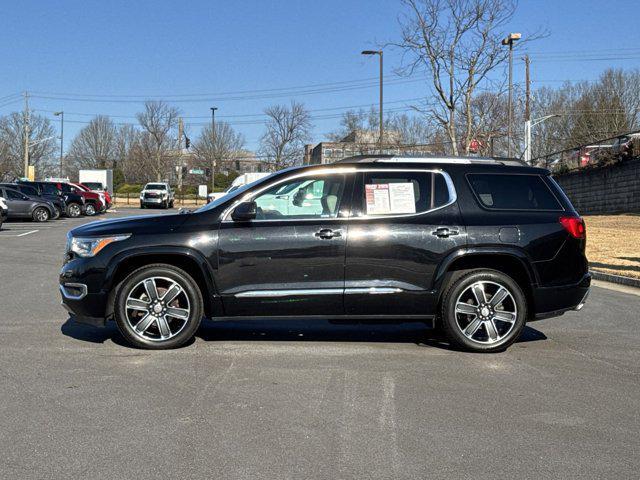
<point x="158" y="142"/>
<point x="95" y="145"/>
<point x="124" y="160"/>
<point x="42" y="145"/>
<point x="457" y="44"/>
<point x="224" y="146"/>
<point x="287" y="130"/>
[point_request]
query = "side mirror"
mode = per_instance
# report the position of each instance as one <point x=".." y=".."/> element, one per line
<point x="244" y="212"/>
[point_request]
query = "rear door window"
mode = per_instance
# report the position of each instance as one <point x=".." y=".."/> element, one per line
<point x="513" y="192"/>
<point x="402" y="192"/>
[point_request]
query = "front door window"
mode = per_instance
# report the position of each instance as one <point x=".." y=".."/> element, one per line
<point x="302" y="198"/>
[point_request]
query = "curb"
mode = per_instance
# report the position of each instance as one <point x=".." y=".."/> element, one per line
<point x="618" y="279"/>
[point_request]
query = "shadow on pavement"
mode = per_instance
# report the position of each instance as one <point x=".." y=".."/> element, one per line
<point x="296" y="330"/>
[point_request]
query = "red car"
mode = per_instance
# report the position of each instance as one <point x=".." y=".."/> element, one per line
<point x="94" y="203"/>
<point x="104" y="195"/>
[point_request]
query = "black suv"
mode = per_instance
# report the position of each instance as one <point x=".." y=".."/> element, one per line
<point x="476" y="246"/>
<point x="74" y="203"/>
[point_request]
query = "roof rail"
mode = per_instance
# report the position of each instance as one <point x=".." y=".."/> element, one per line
<point x="433" y="159"/>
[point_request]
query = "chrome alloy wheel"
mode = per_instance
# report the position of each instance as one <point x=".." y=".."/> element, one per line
<point x="486" y="312"/>
<point x="157" y="308"/>
<point x="42" y="215"/>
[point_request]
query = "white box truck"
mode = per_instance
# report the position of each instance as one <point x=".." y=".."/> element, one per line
<point x="105" y="177"/>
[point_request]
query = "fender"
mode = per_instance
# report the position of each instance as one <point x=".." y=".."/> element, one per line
<point x="200" y="260"/>
<point x="464" y="251"/>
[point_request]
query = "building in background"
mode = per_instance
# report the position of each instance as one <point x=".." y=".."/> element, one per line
<point x="361" y="142"/>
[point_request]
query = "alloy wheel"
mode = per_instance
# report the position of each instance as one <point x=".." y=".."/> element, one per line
<point x="73" y="210"/>
<point x="90" y="210"/>
<point x="41" y="214"/>
<point x="157" y="308"/>
<point x="486" y="312"/>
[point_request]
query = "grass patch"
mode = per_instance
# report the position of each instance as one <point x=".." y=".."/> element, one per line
<point x="613" y="244"/>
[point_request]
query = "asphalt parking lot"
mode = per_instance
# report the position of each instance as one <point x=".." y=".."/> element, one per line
<point x="307" y="399"/>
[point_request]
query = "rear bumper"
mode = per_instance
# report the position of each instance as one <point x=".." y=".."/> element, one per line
<point x="554" y="301"/>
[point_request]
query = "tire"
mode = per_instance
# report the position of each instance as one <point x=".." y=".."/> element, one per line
<point x="90" y="210"/>
<point x="56" y="213"/>
<point x="40" y="214"/>
<point x="165" y="205"/>
<point x="171" y="204"/>
<point x="74" y="210"/>
<point x="176" y="329"/>
<point x="479" y="324"/>
<point x="142" y="205"/>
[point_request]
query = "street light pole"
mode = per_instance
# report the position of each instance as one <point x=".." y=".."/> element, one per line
<point x="528" y="125"/>
<point x="379" y="53"/>
<point x="61" y="115"/>
<point x="213" y="146"/>
<point x="513" y="37"/>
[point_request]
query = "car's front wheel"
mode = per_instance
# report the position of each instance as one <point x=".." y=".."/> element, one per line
<point x="484" y="311"/>
<point x="41" y="214"/>
<point x="74" y="210"/>
<point x="158" y="307"/>
<point x="90" y="210"/>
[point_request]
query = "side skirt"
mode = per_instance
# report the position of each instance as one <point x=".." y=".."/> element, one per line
<point x="428" y="319"/>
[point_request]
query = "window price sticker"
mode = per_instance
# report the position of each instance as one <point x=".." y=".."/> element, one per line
<point x="390" y="198"/>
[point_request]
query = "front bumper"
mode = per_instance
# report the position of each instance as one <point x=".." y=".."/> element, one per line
<point x="88" y="308"/>
<point x="554" y="301"/>
<point x="81" y="283"/>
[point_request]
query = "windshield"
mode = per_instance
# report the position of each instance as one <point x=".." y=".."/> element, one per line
<point x="155" y="186"/>
<point x="93" y="185"/>
<point x="235" y="193"/>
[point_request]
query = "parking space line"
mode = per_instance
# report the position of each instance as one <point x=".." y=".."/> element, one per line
<point x="26" y="233"/>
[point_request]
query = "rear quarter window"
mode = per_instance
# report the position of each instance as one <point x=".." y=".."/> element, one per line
<point x="513" y="192"/>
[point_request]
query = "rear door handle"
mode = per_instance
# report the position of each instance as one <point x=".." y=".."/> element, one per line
<point x="444" y="232"/>
<point x="327" y="233"/>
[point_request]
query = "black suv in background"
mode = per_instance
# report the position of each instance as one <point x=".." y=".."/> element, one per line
<point x="74" y="203"/>
<point x="476" y="246"/>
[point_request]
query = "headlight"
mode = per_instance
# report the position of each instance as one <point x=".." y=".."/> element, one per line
<point x="89" y="247"/>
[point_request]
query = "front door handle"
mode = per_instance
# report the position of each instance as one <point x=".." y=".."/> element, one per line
<point x="327" y="233"/>
<point x="444" y="232"/>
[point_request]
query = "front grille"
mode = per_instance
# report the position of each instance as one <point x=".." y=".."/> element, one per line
<point x="151" y="195"/>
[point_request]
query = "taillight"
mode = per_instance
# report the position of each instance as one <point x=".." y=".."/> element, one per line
<point x="574" y="225"/>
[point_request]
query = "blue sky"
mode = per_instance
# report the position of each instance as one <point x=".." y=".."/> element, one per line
<point x="206" y="48"/>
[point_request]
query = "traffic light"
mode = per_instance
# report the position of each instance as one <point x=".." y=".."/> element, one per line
<point x="187" y="141"/>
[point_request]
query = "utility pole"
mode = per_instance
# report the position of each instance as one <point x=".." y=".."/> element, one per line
<point x="180" y="133"/>
<point x="213" y="146"/>
<point x="527" y="104"/>
<point x="513" y="37"/>
<point x="379" y="53"/>
<point x="61" y="115"/>
<point x="26" y="134"/>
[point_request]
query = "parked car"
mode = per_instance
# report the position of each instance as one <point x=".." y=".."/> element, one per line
<point x="22" y="206"/>
<point x="32" y="191"/>
<point x="157" y="194"/>
<point x="475" y="246"/>
<point x="93" y="203"/>
<point x="100" y="188"/>
<point x="74" y="203"/>
<point x="101" y="195"/>
<point x="4" y="211"/>
<point x="626" y="147"/>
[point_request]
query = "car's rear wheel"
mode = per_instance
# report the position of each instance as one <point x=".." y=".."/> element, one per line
<point x="484" y="311"/>
<point x="41" y="214"/>
<point x="158" y="307"/>
<point x="74" y="210"/>
<point x="90" y="209"/>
